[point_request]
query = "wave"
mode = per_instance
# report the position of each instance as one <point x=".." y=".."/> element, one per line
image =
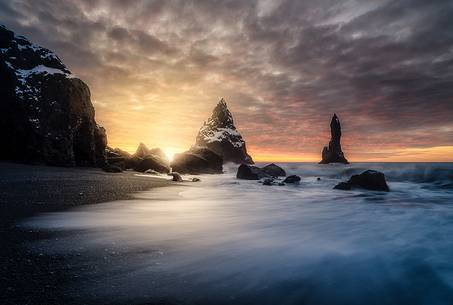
<point x="439" y="174"/>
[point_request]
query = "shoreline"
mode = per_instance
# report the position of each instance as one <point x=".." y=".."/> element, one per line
<point x="26" y="190"/>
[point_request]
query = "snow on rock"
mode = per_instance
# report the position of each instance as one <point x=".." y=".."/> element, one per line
<point x="26" y="60"/>
<point x="23" y="74"/>
<point x="220" y="135"/>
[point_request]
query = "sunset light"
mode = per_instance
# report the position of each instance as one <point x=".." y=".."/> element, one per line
<point x="226" y="152"/>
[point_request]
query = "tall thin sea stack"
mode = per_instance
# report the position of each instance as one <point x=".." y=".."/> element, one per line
<point x="333" y="152"/>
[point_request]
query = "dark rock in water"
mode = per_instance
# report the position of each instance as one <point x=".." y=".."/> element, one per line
<point x="221" y="136"/>
<point x="370" y="180"/>
<point x="274" y="170"/>
<point x="342" y="186"/>
<point x="333" y="153"/>
<point x="318" y="179"/>
<point x="198" y="160"/>
<point x="154" y="163"/>
<point x="47" y="114"/>
<point x="112" y="169"/>
<point x="196" y="180"/>
<point x="292" y="179"/>
<point x="176" y="177"/>
<point x="250" y="172"/>
<point x="268" y="181"/>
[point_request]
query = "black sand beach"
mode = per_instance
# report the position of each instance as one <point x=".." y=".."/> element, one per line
<point x="28" y="278"/>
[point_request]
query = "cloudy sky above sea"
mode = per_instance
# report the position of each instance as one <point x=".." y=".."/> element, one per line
<point x="156" y="69"/>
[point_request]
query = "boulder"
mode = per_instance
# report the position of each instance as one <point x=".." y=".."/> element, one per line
<point x="292" y="179"/>
<point x="196" y="180"/>
<point x="116" y="153"/>
<point x="333" y="152"/>
<point x="154" y="163"/>
<point x="176" y="177"/>
<point x="250" y="172"/>
<point x="47" y="114"/>
<point x="220" y="135"/>
<point x="198" y="160"/>
<point x="274" y="170"/>
<point x="116" y="156"/>
<point x="370" y="180"/>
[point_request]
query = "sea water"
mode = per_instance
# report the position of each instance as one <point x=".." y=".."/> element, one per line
<point x="229" y="241"/>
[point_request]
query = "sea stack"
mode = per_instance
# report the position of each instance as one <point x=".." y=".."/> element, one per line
<point x="47" y="114"/>
<point x="221" y="136"/>
<point x="333" y="152"/>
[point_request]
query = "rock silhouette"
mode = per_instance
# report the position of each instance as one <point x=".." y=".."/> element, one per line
<point x="369" y="179"/>
<point x="220" y="135"/>
<point x="47" y="114"/>
<point x="292" y="179"/>
<point x="333" y="152"/>
<point x="197" y="160"/>
<point x="274" y="170"/>
<point x="250" y="172"/>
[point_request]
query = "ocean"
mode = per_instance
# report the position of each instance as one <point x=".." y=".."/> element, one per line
<point x="229" y="241"/>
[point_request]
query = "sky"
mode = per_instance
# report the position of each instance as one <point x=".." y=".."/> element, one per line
<point x="156" y="69"/>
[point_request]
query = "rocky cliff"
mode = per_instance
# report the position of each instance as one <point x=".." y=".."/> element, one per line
<point x="220" y="135"/>
<point x="333" y="152"/>
<point x="47" y="114"/>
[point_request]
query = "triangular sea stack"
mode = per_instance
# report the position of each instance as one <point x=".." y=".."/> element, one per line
<point x="220" y="135"/>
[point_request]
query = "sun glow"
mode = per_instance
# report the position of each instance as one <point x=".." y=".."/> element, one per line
<point x="170" y="152"/>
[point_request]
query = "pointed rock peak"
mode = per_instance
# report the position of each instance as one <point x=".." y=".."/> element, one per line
<point x="141" y="151"/>
<point x="221" y="136"/>
<point x="221" y="116"/>
<point x="222" y="104"/>
<point x="335" y="119"/>
<point x="333" y="152"/>
<point x="141" y="146"/>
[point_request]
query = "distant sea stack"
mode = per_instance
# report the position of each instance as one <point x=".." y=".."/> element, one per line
<point x="142" y="160"/>
<point x="333" y="152"/>
<point x="47" y="114"/>
<point x="221" y="136"/>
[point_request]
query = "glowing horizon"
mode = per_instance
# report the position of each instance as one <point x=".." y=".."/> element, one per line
<point x="156" y="69"/>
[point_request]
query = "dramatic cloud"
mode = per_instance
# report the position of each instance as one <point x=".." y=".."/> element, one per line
<point x="157" y="68"/>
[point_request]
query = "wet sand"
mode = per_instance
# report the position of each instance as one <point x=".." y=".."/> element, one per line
<point x="25" y="190"/>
